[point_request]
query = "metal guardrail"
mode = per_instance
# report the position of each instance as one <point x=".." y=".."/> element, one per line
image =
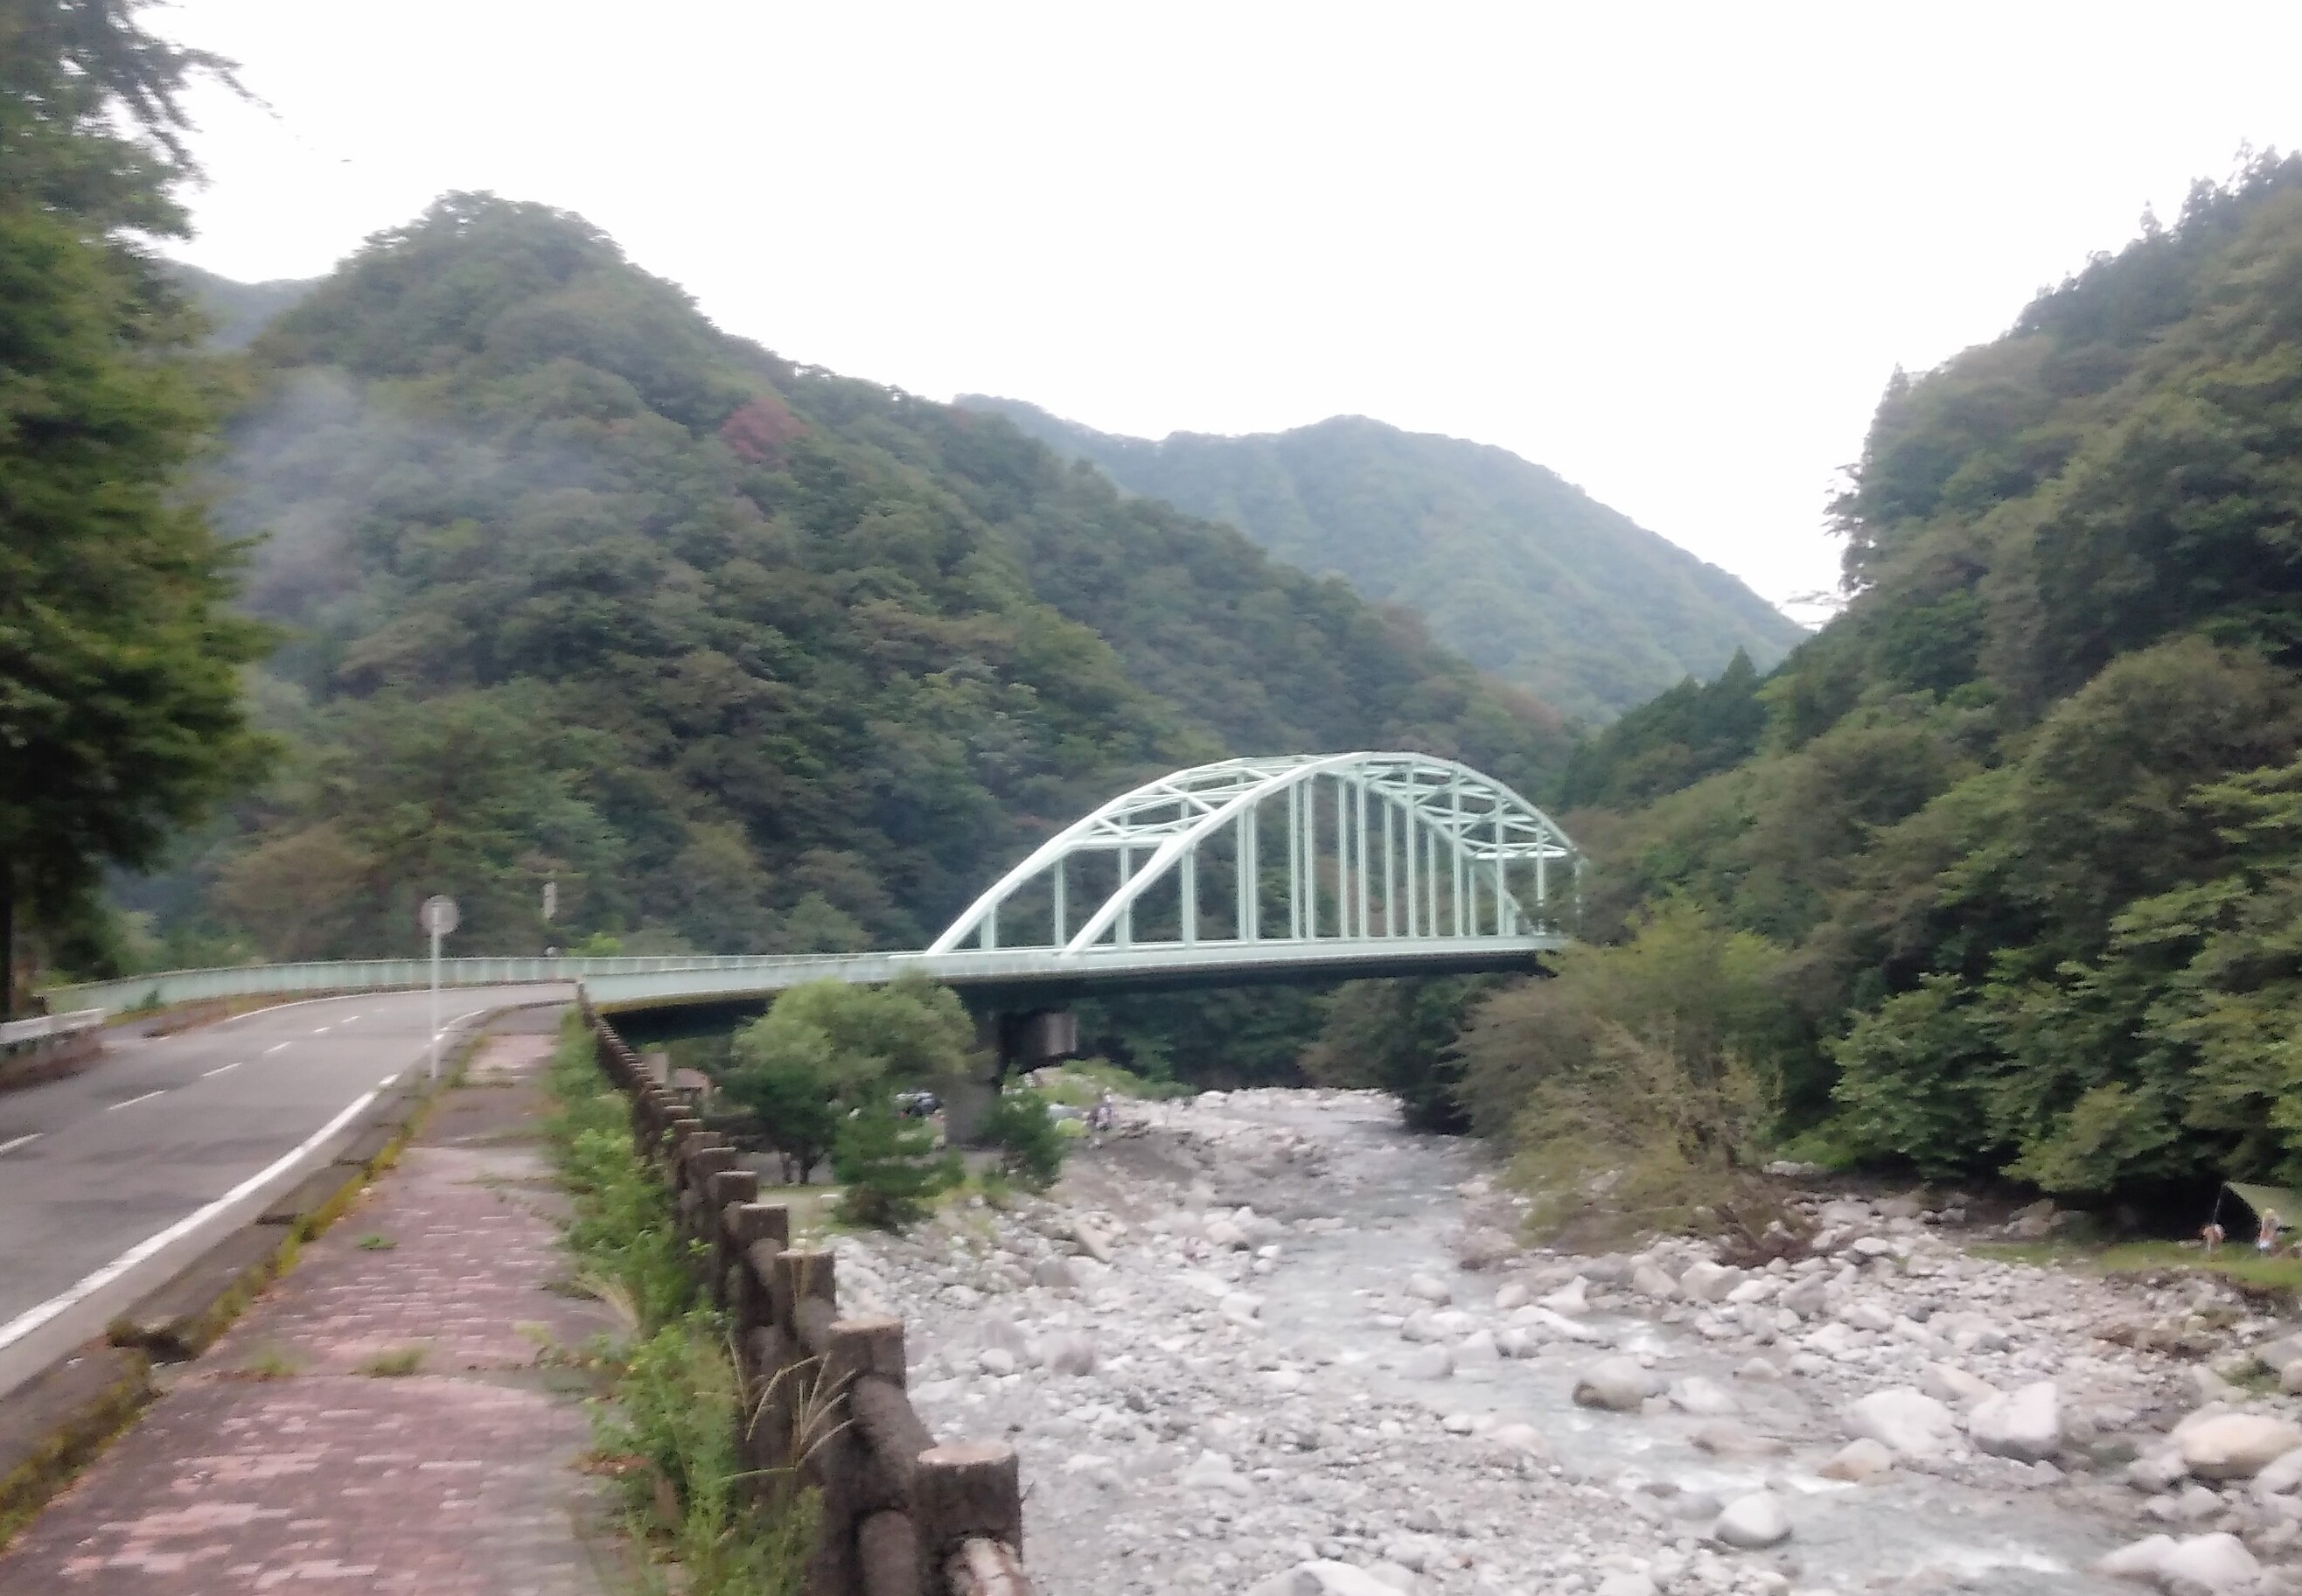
<point x="167" y="986"/>
<point x="42" y="1027"/>
<point x="634" y="980"/>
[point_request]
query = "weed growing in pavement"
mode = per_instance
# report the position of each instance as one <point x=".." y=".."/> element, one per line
<point x="376" y="1244"/>
<point x="270" y="1363"/>
<point x="395" y="1364"/>
<point x="674" y="1432"/>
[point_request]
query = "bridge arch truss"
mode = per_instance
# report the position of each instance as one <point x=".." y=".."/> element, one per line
<point x="1361" y="848"/>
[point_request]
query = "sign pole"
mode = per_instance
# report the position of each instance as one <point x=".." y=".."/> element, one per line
<point x="438" y="916"/>
<point x="436" y="1001"/>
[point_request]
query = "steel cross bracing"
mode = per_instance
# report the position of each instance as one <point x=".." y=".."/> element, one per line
<point x="1352" y="847"/>
<point x="1320" y="866"/>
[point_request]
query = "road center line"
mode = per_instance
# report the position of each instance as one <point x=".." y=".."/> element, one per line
<point x="131" y="1102"/>
<point x="317" y="1029"/>
<point x="275" y="1046"/>
<point x="220" y="1068"/>
<point x="10" y="1147"/>
<point x="32" y="1318"/>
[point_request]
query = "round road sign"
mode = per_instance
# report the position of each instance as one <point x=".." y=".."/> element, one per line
<point x="438" y="915"/>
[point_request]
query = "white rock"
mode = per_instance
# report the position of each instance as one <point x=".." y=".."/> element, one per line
<point x="1240" y="1307"/>
<point x="1753" y="1521"/>
<point x="1053" y="1273"/>
<point x="1524" y="1440"/>
<point x="1947" y="1383"/>
<point x="1512" y="1295"/>
<point x="2156" y="1471"/>
<point x="2139" y="1560"/>
<point x="1477" y="1351"/>
<point x="1626" y="1583"/>
<point x="2025" y="1424"/>
<point x="1569" y="1299"/>
<point x="2208" y="1564"/>
<point x="2235" y="1446"/>
<point x="1858" y="1460"/>
<point x="1068" y="1352"/>
<point x="1620" y="1383"/>
<point x="1428" y="1363"/>
<point x="1518" y="1343"/>
<point x="1905" y="1421"/>
<point x="1865" y="1315"/>
<point x="996" y="1360"/>
<point x="1429" y="1290"/>
<point x="1707" y="1282"/>
<point x="1648" y="1280"/>
<point x="1322" y="1578"/>
<point x="2281" y="1477"/>
<point x="1213" y="1470"/>
<point x="1705" y="1398"/>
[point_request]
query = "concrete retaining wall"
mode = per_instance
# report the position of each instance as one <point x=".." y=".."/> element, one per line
<point x="901" y="1516"/>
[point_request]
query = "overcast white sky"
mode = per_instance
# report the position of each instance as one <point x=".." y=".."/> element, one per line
<point x="1670" y="251"/>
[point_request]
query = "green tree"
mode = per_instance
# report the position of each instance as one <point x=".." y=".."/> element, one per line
<point x="1029" y="1143"/>
<point x="888" y="1167"/>
<point x="121" y="716"/>
<point x="827" y="1050"/>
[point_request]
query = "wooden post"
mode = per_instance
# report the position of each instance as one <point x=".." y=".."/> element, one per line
<point x="723" y="1190"/>
<point x="962" y="1491"/>
<point x="889" y="1553"/>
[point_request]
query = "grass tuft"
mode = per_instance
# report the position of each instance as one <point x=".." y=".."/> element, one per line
<point x="399" y="1362"/>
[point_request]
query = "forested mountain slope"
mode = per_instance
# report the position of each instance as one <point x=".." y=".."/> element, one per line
<point x="2023" y="827"/>
<point x="1520" y="572"/>
<point x="741" y="655"/>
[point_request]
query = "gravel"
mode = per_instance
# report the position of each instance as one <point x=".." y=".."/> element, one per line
<point x="1286" y="1378"/>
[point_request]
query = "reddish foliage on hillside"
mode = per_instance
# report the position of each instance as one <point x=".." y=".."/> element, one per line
<point x="761" y="430"/>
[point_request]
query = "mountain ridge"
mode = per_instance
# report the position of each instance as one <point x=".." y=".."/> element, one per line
<point x="1521" y="571"/>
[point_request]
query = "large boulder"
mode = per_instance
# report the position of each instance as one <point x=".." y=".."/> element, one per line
<point x="2234" y="1445"/>
<point x="2138" y="1560"/>
<point x="1620" y="1383"/>
<point x="2025" y="1424"/>
<point x="2208" y="1566"/>
<point x="1753" y="1521"/>
<point x="1428" y="1363"/>
<point x="1905" y="1421"/>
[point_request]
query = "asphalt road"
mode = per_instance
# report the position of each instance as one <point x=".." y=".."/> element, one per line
<point x="112" y="1179"/>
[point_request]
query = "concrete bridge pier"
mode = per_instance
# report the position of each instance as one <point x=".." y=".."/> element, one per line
<point x="1015" y="1042"/>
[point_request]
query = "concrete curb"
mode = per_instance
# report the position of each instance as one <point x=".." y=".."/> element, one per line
<point x="60" y="1420"/>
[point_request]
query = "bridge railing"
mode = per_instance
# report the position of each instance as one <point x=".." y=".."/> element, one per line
<point x="168" y="987"/>
<point x="900" y="1515"/>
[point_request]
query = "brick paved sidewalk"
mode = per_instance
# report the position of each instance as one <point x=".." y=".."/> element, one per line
<point x="275" y="1464"/>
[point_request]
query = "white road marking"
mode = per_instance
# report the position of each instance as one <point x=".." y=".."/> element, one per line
<point x="10" y="1147"/>
<point x="131" y="1102"/>
<point x="275" y="1046"/>
<point x="31" y="1319"/>
<point x="317" y="1029"/>
<point x="220" y="1068"/>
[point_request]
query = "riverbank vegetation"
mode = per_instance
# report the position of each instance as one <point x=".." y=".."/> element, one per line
<point x="2001" y="873"/>
<point x="672" y="1427"/>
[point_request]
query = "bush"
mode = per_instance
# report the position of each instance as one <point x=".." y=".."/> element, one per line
<point x="889" y="1167"/>
<point x="1029" y="1139"/>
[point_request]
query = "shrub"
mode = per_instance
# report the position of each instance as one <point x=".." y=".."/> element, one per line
<point x="889" y="1167"/>
<point x="1028" y="1139"/>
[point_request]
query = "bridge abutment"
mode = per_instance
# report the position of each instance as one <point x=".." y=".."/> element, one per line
<point x="1017" y="1042"/>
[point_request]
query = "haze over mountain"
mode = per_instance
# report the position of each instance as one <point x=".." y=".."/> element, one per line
<point x="1515" y="568"/>
<point x="743" y="655"/>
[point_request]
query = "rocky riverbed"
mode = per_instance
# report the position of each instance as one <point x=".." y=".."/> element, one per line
<point x="1266" y="1342"/>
